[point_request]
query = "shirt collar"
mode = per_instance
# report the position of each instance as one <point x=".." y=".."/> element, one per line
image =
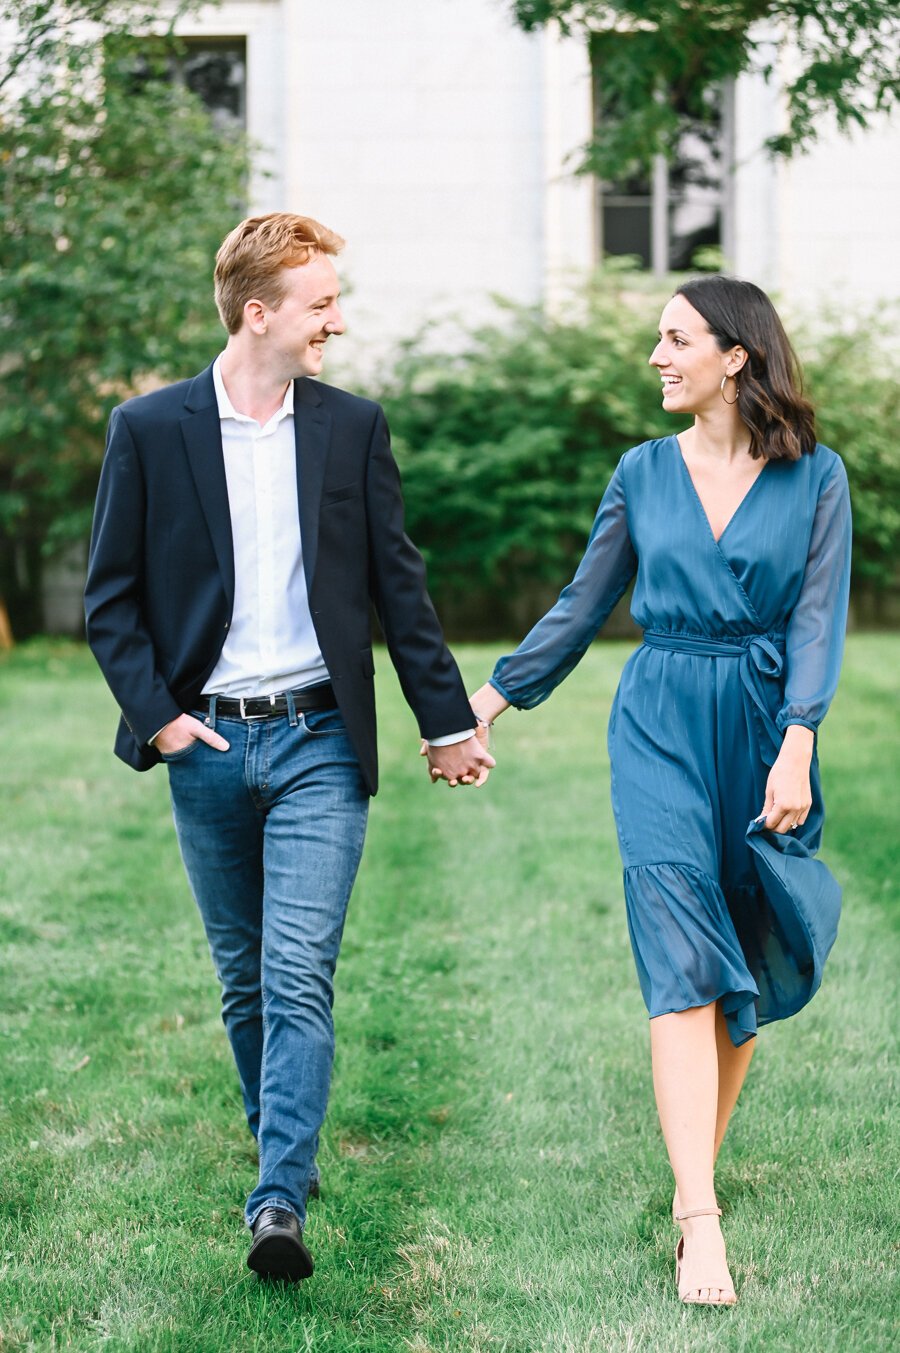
<point x="227" y="409"/>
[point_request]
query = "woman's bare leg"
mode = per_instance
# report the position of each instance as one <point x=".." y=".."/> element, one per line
<point x="685" y="1056"/>
<point x="733" y="1066"/>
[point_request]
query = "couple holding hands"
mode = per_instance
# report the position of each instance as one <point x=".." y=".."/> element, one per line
<point x="246" y="522"/>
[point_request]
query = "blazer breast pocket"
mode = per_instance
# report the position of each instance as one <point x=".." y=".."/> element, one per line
<point x="341" y="493"/>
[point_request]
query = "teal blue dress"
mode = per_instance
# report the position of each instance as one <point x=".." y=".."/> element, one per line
<point x="742" y="637"/>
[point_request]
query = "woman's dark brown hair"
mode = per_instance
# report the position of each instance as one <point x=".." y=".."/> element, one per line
<point x="781" y="422"/>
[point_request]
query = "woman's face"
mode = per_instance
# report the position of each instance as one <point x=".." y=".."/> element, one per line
<point x="689" y="361"/>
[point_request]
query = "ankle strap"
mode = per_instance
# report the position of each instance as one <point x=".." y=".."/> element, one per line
<point x="699" y="1212"/>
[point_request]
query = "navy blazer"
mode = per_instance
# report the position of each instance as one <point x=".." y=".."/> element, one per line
<point x="160" y="585"/>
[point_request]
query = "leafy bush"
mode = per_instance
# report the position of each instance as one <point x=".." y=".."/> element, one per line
<point x="507" y="443"/>
<point x="115" y="192"/>
<point x="852" y="377"/>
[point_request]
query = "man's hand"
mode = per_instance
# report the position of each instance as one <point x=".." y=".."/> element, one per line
<point x="463" y="763"/>
<point x="184" y="730"/>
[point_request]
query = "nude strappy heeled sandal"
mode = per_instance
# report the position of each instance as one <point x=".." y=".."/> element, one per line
<point x="679" y="1255"/>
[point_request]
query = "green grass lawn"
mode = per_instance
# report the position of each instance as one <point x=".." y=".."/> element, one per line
<point x="493" y="1173"/>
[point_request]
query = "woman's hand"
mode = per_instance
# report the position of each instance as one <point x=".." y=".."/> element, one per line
<point x="483" y="734"/>
<point x="487" y="704"/>
<point x="788" y="793"/>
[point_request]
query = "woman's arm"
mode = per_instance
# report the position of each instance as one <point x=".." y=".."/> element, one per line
<point x="487" y="704"/>
<point x="814" y="640"/>
<point x="814" y="647"/>
<point x="557" y="643"/>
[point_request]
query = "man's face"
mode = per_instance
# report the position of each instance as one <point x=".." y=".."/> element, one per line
<point x="309" y="314"/>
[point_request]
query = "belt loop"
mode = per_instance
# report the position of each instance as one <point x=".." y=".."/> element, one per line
<point x="292" y="708"/>
<point x="210" y="719"/>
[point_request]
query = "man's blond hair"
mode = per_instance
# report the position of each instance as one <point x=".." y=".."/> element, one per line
<point x="250" y="261"/>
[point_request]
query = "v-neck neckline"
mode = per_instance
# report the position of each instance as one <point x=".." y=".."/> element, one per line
<point x="717" y="539"/>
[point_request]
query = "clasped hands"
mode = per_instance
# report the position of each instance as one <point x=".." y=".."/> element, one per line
<point x="460" y="763"/>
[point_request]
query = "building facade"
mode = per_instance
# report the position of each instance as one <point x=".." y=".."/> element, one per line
<point x="441" y="141"/>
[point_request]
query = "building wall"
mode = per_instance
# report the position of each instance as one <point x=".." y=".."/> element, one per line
<point x="821" y="226"/>
<point x="426" y="153"/>
<point x="439" y="140"/>
<point x="838" y="212"/>
<point x="434" y="137"/>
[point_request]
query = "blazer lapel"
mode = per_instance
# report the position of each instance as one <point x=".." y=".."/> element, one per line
<point x="312" y="433"/>
<point x="203" y="441"/>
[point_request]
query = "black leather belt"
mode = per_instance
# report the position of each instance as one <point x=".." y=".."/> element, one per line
<point x="306" y="700"/>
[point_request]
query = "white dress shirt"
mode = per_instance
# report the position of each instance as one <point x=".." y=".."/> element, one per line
<point x="271" y="644"/>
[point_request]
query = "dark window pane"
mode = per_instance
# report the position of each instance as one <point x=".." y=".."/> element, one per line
<point x="696" y="189"/>
<point x="215" y="69"/>
<point x="694" y="199"/>
<point x="626" y="226"/>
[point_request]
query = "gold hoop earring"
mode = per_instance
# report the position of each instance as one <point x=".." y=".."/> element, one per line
<point x="737" y="389"/>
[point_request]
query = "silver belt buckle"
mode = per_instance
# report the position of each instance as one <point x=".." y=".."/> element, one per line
<point x="242" y="706"/>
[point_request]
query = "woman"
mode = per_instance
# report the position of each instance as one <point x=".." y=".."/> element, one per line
<point x="738" y="530"/>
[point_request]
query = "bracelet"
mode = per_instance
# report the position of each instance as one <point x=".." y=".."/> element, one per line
<point x="482" y="722"/>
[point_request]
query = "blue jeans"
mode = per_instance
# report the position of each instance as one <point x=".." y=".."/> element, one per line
<point x="271" y="833"/>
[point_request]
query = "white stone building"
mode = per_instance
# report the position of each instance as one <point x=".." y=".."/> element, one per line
<point x="440" y="141"/>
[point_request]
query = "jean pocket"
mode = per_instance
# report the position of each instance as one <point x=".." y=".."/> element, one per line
<point x="322" y="722"/>
<point x="180" y="752"/>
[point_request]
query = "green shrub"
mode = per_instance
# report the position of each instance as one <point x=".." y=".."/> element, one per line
<point x="852" y="377"/>
<point x="507" y="443"/>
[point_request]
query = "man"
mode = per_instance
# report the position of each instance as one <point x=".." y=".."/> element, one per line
<point x="246" y="521"/>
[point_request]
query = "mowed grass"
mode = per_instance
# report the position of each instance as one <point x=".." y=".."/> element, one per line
<point x="493" y="1173"/>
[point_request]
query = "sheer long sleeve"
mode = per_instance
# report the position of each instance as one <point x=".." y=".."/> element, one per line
<point x="557" y="643"/>
<point x="815" y="632"/>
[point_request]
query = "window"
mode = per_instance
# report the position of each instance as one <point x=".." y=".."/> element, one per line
<point x="666" y="213"/>
<point x="215" y="69"/>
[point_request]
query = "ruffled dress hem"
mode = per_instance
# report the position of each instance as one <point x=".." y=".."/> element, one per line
<point x="685" y="945"/>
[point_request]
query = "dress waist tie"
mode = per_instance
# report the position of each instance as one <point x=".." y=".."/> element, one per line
<point x="761" y="659"/>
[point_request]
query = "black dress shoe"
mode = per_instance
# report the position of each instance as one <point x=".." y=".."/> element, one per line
<point x="278" y="1250"/>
